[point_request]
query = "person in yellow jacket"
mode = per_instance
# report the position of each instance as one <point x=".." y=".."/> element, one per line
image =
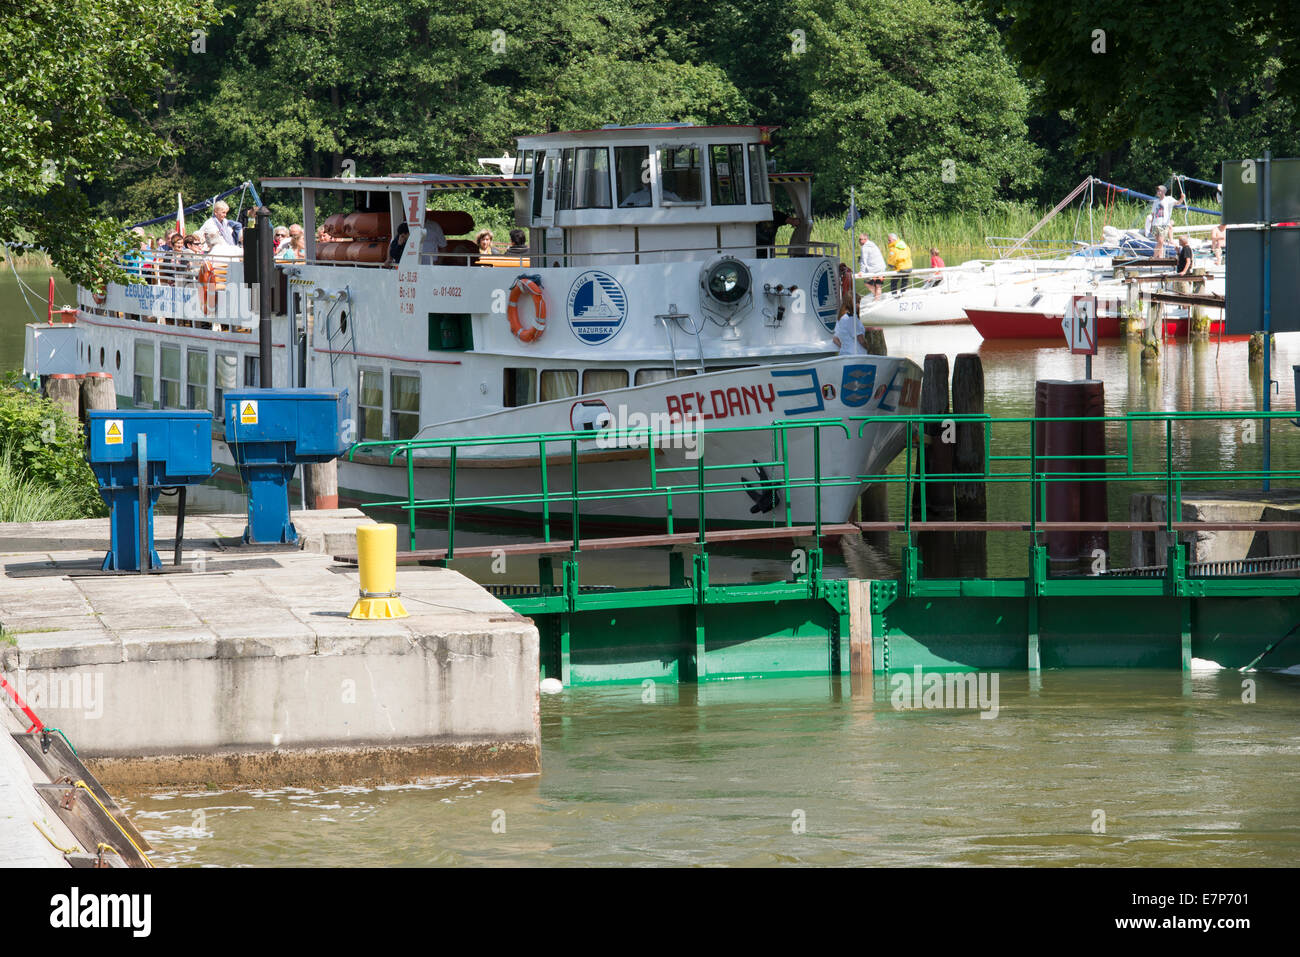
<point x="899" y="258"/>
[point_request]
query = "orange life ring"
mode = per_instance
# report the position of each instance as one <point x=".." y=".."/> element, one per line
<point x="533" y="286"/>
<point x="207" y="287"/>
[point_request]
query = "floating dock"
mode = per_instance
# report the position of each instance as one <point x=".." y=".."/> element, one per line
<point x="240" y="666"/>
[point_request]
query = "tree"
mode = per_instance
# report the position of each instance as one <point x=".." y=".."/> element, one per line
<point x="1151" y="70"/>
<point x="913" y="102"/>
<point x="78" y="79"/>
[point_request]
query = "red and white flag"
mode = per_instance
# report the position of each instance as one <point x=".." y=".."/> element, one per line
<point x="180" y="215"/>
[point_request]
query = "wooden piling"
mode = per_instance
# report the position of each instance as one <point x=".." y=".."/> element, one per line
<point x="65" y="389"/>
<point x="874" y="337"/>
<point x="97" y="392"/>
<point x="970" y="498"/>
<point x="322" y="485"/>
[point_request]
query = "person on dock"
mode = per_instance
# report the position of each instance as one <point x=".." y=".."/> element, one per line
<point x="1184" y="256"/>
<point x="873" y="265"/>
<point x="899" y="258"/>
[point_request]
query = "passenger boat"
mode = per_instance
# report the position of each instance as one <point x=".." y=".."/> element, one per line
<point x="647" y="289"/>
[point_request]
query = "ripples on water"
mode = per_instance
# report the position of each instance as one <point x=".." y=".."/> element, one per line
<point x="1186" y="774"/>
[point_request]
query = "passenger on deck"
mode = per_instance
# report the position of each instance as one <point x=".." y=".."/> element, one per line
<point x="899" y="257"/>
<point x="294" y="250"/>
<point x="217" y="230"/>
<point x="281" y="235"/>
<point x="484" y="242"/>
<point x="873" y="265"/>
<point x="518" y="243"/>
<point x="133" y="259"/>
<point x="765" y="233"/>
<point x="1218" y="233"/>
<point x="434" y="241"/>
<point x="398" y="245"/>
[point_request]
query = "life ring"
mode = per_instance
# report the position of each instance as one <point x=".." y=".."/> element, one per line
<point x="207" y="287"/>
<point x="533" y="286"/>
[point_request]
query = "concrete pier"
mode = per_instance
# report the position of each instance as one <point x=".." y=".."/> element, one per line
<point x="1229" y="505"/>
<point x="241" y="667"/>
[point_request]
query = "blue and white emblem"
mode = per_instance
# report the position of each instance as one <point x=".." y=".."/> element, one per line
<point x="597" y="307"/>
<point x="825" y="296"/>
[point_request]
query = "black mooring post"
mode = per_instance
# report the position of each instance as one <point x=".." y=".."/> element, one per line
<point x="265" y="290"/>
<point x="180" y="525"/>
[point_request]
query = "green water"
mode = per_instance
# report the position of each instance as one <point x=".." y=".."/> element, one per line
<point x="1185" y="773"/>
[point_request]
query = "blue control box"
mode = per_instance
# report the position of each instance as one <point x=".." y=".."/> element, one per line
<point x="270" y="433"/>
<point x="156" y="449"/>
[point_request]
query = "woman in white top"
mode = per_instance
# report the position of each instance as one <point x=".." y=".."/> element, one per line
<point x="848" y="337"/>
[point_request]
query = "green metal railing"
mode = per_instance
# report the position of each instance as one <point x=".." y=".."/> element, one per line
<point x="1131" y="464"/>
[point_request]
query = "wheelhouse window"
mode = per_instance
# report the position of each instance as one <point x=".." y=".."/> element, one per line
<point x="226" y="376"/>
<point x="632" y="173"/>
<point x="758" y="192"/>
<point x="648" y="376"/>
<point x="727" y="168"/>
<point x="559" y="384"/>
<point x="142" y="394"/>
<point x="519" y="387"/>
<point x="602" y="380"/>
<point x="370" y="405"/>
<point x="196" y="379"/>
<point x="681" y="179"/>
<point x="405" y="405"/>
<point x="584" y="179"/>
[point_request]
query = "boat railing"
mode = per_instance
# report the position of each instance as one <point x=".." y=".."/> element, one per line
<point x="218" y="301"/>
<point x="747" y="251"/>
<point x="1152" y="452"/>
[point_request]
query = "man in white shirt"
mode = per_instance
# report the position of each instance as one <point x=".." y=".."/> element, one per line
<point x="217" y="230"/>
<point x="434" y="241"/>
<point x="873" y="265"/>
<point x="848" y="336"/>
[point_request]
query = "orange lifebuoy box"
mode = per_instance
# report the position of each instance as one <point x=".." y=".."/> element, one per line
<point x="533" y="286"/>
<point x="208" y="287"/>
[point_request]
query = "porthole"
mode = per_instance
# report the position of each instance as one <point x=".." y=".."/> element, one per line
<point x="118" y="360"/>
<point x="101" y="357"/>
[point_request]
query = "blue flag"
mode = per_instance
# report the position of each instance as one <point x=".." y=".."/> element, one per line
<point x="852" y="218"/>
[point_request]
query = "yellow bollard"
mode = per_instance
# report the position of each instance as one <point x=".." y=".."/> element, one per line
<point x="377" y="559"/>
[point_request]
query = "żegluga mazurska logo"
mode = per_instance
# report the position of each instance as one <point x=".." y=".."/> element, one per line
<point x="825" y="299"/>
<point x="597" y="307"/>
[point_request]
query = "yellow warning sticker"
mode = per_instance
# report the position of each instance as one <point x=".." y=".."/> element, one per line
<point x="248" y="412"/>
<point x="112" y="431"/>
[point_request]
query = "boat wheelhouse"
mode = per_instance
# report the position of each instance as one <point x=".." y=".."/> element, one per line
<point x="650" y="285"/>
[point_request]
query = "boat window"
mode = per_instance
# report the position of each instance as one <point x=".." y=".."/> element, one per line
<point x="647" y="376"/>
<point x="590" y="178"/>
<point x="370" y="405"/>
<point x="539" y="183"/>
<point x="450" y="332"/>
<point x="143" y="392"/>
<point x="519" y="387"/>
<point x="252" y="372"/>
<point x="226" y="376"/>
<point x="758" y="192"/>
<point x="602" y="380"/>
<point x="727" y="169"/>
<point x="170" y="376"/>
<point x="405" y="405"/>
<point x="632" y="171"/>
<point x="196" y="379"/>
<point x="524" y="165"/>
<point x="680" y="179"/>
<point x="559" y="384"/>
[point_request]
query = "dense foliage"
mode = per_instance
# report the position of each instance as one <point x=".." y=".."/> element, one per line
<point x="43" y="470"/>
<point x="925" y="107"/>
